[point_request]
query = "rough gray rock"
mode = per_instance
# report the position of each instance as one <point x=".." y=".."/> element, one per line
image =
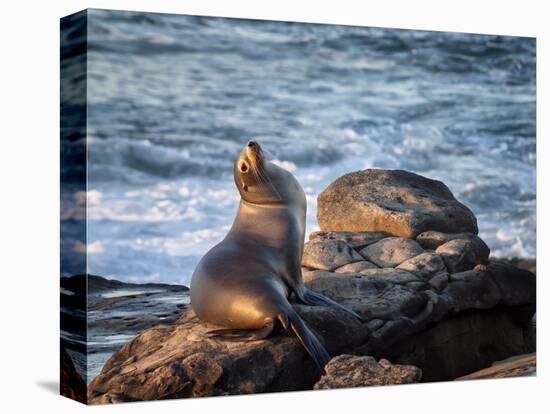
<point x="328" y="254"/>
<point x="356" y="267"/>
<point x="463" y="254"/>
<point x="356" y="240"/>
<point x="426" y="265"/>
<point x="392" y="201"/>
<point x="391" y="251"/>
<point x="347" y="371"/>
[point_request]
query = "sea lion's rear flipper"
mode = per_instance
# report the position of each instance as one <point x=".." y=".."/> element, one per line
<point x="309" y="297"/>
<point x="308" y="340"/>
<point x="237" y="335"/>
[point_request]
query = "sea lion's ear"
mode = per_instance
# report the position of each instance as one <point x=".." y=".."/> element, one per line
<point x="245" y="187"/>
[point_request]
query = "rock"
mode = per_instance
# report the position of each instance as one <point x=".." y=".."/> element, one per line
<point x="433" y="239"/>
<point x="71" y="383"/>
<point x="473" y="290"/>
<point x="347" y="371"/>
<point x="311" y="275"/>
<point x="447" y="326"/>
<point x="343" y="287"/>
<point x="463" y="254"/>
<point x="398" y="276"/>
<point x="328" y="254"/>
<point x="517" y="286"/>
<point x="461" y="345"/>
<point x="393" y="201"/>
<point x="179" y="360"/>
<point x="426" y="265"/>
<point x="356" y="240"/>
<point x="440" y="281"/>
<point x="391" y="251"/>
<point x="525" y="263"/>
<point x="517" y="366"/>
<point x="356" y="267"/>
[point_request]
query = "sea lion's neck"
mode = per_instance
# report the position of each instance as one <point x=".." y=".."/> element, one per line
<point x="273" y="224"/>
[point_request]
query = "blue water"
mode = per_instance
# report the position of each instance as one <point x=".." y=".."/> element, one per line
<point x="172" y="99"/>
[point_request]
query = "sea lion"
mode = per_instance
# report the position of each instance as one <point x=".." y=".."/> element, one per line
<point x="244" y="282"/>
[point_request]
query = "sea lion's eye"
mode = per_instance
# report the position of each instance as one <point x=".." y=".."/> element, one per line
<point x="244" y="167"/>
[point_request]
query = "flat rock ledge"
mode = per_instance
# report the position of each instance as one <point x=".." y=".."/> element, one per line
<point x="518" y="366"/>
<point x="348" y="371"/>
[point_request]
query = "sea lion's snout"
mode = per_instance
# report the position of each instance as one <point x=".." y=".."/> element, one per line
<point x="254" y="153"/>
<point x="253" y="149"/>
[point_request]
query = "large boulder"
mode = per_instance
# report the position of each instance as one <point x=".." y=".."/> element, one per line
<point x="392" y="201"/>
<point x="346" y="371"/>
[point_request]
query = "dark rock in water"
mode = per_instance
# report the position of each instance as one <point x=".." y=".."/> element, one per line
<point x="391" y="251"/>
<point x="111" y="314"/>
<point x="328" y="254"/>
<point x="393" y="201"/>
<point x="347" y="371"/>
<point x="463" y="254"/>
<point x="71" y="383"/>
<point x="517" y="366"/>
<point x="92" y="284"/>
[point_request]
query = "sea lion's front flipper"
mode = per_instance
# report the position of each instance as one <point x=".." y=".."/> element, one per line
<point x="237" y="335"/>
<point x="308" y="340"/>
<point x="309" y="297"/>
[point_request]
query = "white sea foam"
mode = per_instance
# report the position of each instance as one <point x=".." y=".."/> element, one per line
<point x="129" y="292"/>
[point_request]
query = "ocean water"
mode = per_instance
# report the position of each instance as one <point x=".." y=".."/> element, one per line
<point x="172" y="100"/>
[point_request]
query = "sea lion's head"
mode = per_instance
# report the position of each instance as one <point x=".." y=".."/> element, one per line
<point x="262" y="182"/>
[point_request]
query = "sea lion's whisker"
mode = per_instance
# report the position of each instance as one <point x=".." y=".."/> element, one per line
<point x="266" y="178"/>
